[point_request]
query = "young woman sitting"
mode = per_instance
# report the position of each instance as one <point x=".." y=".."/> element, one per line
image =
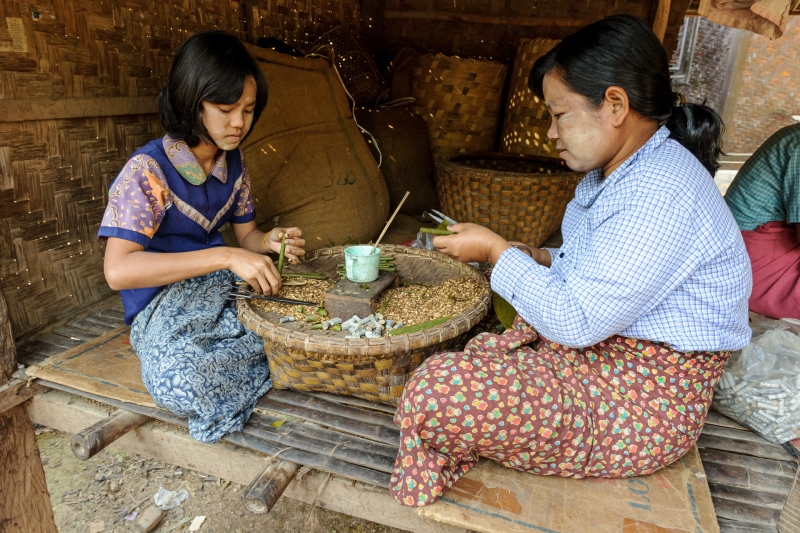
<point x="166" y="255"/>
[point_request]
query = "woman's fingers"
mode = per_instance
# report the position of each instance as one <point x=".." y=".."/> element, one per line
<point x="458" y="228"/>
<point x="292" y="232"/>
<point x="441" y="243"/>
<point x="260" y="284"/>
<point x="273" y="279"/>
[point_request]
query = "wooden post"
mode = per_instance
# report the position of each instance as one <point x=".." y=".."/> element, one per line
<point x="662" y="18"/>
<point x="252" y="18"/>
<point x="372" y="24"/>
<point x="24" y="500"/>
<point x="265" y="490"/>
<point x="91" y="440"/>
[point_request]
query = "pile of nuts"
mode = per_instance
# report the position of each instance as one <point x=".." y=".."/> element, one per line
<point x="407" y="305"/>
<point x="420" y="303"/>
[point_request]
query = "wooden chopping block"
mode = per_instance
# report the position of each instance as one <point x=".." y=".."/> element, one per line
<point x="348" y="298"/>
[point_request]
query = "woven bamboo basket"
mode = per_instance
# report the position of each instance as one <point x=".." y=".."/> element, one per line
<point x="521" y="198"/>
<point x="460" y="100"/>
<point x="526" y="118"/>
<point x="372" y="369"/>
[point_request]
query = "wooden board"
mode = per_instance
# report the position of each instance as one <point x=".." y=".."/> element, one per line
<point x="491" y="498"/>
<point x="105" y="366"/>
<point x="348" y="298"/>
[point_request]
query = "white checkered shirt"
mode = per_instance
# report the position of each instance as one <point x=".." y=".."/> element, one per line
<point x="652" y="252"/>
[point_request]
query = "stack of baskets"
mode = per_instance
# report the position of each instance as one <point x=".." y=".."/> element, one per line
<point x="521" y="198"/>
<point x="372" y="369"/>
<point x="460" y="99"/>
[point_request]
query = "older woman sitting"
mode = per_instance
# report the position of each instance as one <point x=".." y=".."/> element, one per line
<point x="623" y="332"/>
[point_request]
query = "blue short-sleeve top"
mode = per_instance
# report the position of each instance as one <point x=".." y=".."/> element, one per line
<point x="163" y="201"/>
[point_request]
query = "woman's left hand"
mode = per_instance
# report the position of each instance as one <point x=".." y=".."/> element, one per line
<point x="471" y="243"/>
<point x="294" y="243"/>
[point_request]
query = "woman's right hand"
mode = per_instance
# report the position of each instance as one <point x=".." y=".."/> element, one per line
<point x="256" y="269"/>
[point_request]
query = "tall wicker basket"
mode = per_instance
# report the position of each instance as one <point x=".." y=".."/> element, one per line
<point x="460" y="100"/>
<point x="521" y="198"/>
<point x="526" y="118"/>
<point x="372" y="369"/>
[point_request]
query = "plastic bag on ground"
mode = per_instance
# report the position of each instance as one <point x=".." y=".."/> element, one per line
<point x="168" y="499"/>
<point x="761" y="384"/>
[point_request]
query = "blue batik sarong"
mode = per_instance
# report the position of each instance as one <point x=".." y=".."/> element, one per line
<point x="197" y="359"/>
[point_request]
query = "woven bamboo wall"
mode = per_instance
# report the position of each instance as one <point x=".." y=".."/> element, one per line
<point x="492" y="28"/>
<point x="300" y="22"/>
<point x="76" y="58"/>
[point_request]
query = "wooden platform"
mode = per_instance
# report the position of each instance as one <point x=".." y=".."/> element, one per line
<point x="749" y="478"/>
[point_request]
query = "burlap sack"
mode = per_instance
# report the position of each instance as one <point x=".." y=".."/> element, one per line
<point x="308" y="163"/>
<point x="402" y="138"/>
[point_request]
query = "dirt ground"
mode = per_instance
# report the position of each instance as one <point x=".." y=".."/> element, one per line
<point x="111" y="484"/>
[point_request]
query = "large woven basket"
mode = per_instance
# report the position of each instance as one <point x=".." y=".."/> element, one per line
<point x="526" y="118"/>
<point x="460" y="100"/>
<point x="521" y="198"/>
<point x="372" y="369"/>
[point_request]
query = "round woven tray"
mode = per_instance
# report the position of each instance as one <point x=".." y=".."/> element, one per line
<point x="521" y="198"/>
<point x="373" y="369"/>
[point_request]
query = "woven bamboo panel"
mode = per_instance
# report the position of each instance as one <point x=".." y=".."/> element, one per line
<point x="59" y="171"/>
<point x="55" y="173"/>
<point x="521" y="198"/>
<point x="526" y="119"/>
<point x="373" y="369"/>
<point x="460" y="101"/>
<point x="301" y="22"/>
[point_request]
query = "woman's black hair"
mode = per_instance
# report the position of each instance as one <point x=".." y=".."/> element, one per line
<point x="623" y="51"/>
<point x="209" y="66"/>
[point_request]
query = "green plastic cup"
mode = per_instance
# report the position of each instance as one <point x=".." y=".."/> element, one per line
<point x="360" y="265"/>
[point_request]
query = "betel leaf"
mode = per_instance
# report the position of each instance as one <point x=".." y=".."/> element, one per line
<point x="505" y="313"/>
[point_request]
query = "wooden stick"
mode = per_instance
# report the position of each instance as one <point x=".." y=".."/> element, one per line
<point x="265" y="490"/>
<point x="91" y="440"/>
<point x="389" y="223"/>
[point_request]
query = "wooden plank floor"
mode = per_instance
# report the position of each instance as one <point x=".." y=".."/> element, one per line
<point x="749" y="477"/>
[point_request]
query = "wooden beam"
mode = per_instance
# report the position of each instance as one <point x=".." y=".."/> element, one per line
<point x="8" y="353"/>
<point x="661" y="19"/>
<point x="268" y="486"/>
<point x="25" y="503"/>
<point x="15" y="392"/>
<point x="91" y="440"/>
<point x="446" y="16"/>
<point x="22" y="109"/>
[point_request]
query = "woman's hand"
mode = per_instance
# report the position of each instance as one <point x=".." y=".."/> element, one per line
<point x="471" y="243"/>
<point x="256" y="269"/>
<point x="294" y="244"/>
